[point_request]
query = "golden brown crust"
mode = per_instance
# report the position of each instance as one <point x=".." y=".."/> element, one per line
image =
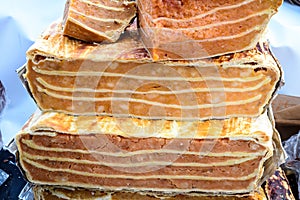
<point x="56" y="193"/>
<point x="52" y="44"/>
<point x="59" y="149"/>
<point x="191" y="30"/>
<point x="97" y="21"/>
<point x="255" y="129"/>
<point x="121" y="80"/>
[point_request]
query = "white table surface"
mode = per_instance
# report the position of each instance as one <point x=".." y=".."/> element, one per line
<point x="21" y="22"/>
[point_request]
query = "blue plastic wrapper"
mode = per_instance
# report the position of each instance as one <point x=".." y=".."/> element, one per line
<point x="26" y="193"/>
<point x="3" y="176"/>
<point x="295" y="2"/>
<point x="13" y="180"/>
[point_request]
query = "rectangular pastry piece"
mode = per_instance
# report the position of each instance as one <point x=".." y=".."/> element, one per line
<point x="121" y="80"/>
<point x="57" y="193"/>
<point x="97" y="20"/>
<point x="188" y="29"/>
<point x="217" y="156"/>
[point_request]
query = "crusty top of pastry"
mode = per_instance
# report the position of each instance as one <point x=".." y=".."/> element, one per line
<point x="258" y="129"/>
<point x="53" y="45"/>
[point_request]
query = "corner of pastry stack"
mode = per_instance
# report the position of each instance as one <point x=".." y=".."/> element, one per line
<point x="174" y="29"/>
<point x="97" y="21"/>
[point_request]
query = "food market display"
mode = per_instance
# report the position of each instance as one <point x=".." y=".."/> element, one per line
<point x="119" y="119"/>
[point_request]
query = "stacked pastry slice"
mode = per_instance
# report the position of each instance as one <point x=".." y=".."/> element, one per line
<point x="144" y="155"/>
<point x="115" y="121"/>
<point x="197" y="29"/>
<point x="50" y="193"/>
<point x="121" y="80"/>
<point x="97" y="21"/>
